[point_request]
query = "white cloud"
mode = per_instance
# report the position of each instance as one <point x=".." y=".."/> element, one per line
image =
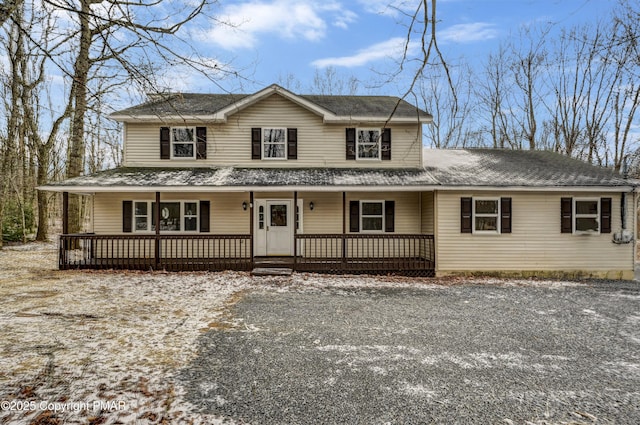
<point x="388" y="7"/>
<point x="392" y="48"/>
<point x="467" y="33"/>
<point x="243" y="24"/>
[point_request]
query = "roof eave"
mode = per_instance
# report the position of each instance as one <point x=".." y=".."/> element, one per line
<point x="215" y="118"/>
<point x="378" y="119"/>
<point x="87" y="189"/>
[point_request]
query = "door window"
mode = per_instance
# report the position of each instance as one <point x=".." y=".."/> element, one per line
<point x="278" y="215"/>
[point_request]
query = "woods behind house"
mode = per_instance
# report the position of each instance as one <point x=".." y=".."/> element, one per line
<point x="573" y="90"/>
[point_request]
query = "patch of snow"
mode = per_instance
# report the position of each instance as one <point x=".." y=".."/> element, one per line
<point x="417" y="390"/>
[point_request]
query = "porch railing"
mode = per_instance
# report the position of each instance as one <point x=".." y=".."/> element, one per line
<point x="151" y="252"/>
<point x="412" y="254"/>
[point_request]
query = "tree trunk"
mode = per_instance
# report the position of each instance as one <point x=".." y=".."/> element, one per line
<point x="75" y="161"/>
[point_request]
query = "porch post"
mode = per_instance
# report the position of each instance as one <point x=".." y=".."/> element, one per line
<point x="251" y="230"/>
<point x="344" y="228"/>
<point x="65" y="213"/>
<point x="295" y="228"/>
<point x="157" y="238"/>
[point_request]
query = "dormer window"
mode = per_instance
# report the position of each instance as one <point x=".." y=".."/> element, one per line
<point x="183" y="142"/>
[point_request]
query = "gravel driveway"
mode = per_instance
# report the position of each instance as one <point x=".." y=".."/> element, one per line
<point x="439" y="354"/>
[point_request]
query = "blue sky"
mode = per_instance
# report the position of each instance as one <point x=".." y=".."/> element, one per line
<point x="271" y="39"/>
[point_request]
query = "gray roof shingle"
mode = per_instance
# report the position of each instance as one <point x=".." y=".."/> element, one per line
<point x="501" y="167"/>
<point x="195" y="104"/>
<point x="443" y="168"/>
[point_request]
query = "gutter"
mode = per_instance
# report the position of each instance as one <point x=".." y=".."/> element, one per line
<point x="336" y="188"/>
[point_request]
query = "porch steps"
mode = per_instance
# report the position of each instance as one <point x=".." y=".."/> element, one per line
<point x="273" y="266"/>
<point x="272" y="271"/>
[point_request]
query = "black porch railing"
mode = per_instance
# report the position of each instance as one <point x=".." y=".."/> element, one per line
<point x="412" y="254"/>
<point x="151" y="252"/>
<point x="361" y="253"/>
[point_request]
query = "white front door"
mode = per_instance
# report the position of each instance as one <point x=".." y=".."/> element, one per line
<point x="274" y="230"/>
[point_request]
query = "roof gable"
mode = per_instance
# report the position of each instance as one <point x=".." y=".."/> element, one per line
<point x="219" y="107"/>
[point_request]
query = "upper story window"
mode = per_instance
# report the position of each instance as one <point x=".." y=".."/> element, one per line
<point x="183" y="142"/>
<point x="368" y="143"/>
<point x="274" y="143"/>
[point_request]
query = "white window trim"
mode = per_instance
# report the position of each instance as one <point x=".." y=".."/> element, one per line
<point x="172" y="142"/>
<point x="286" y="144"/>
<point x="379" y="158"/>
<point x="497" y="215"/>
<point x="576" y="216"/>
<point x="376" y="201"/>
<point x="167" y="232"/>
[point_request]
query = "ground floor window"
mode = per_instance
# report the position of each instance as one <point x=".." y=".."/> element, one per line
<point x="175" y="216"/>
<point x="372" y="216"/>
<point x="486" y="213"/>
<point x="587" y="215"/>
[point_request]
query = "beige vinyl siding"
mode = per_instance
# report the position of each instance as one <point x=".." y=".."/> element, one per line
<point x="326" y="214"/>
<point x="428" y="212"/>
<point x="227" y="215"/>
<point x="535" y="243"/>
<point x="229" y="144"/>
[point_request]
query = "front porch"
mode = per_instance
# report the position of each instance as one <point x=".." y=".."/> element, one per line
<point x="405" y="254"/>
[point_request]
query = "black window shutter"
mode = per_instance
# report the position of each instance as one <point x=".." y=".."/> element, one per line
<point x="354" y="216"/>
<point x="205" y="216"/>
<point x="351" y="144"/>
<point x="386" y="144"/>
<point x="465" y="215"/>
<point x="165" y="143"/>
<point x="292" y="143"/>
<point x="605" y="215"/>
<point x="201" y="142"/>
<point x="505" y="215"/>
<point x="256" y="143"/>
<point x="566" y="215"/>
<point x="389" y="216"/>
<point x="127" y="216"/>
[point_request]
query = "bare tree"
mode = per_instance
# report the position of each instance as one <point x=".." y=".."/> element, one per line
<point x="450" y="127"/>
<point x="493" y="92"/>
<point x="527" y="67"/>
<point x="123" y="35"/>
<point x="8" y="8"/>
<point x="330" y="82"/>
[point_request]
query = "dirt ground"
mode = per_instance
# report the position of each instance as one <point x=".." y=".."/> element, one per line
<point x="85" y="347"/>
<point x="82" y="347"/>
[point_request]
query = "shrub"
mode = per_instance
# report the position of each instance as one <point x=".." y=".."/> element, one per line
<point x="12" y="229"/>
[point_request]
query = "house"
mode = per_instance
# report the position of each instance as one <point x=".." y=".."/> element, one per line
<point x="339" y="184"/>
